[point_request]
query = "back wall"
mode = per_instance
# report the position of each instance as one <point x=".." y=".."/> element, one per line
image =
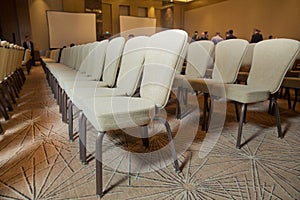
<point x="279" y="18"/>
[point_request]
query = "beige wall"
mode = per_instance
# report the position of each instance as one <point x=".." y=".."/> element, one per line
<point x="111" y="12"/>
<point x="38" y="20"/>
<point x="279" y="18"/>
<point x="73" y="6"/>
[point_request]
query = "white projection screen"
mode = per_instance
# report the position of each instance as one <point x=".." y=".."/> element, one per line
<point x="66" y="28"/>
<point x="137" y="26"/>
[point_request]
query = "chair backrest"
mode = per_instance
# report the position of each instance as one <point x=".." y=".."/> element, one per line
<point x="112" y="60"/>
<point x="3" y="62"/>
<point x="229" y="55"/>
<point x="271" y="60"/>
<point x="131" y="66"/>
<point x="247" y="60"/>
<point x="199" y="58"/>
<point x="182" y="59"/>
<point x="163" y="56"/>
<point x="95" y="59"/>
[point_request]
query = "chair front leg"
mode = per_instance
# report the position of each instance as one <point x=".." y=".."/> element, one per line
<point x="99" y="174"/>
<point x="278" y="122"/>
<point x="296" y="98"/>
<point x="64" y="107"/>
<point x="205" y="108"/>
<point x="70" y="122"/>
<point x="212" y="103"/>
<point x="173" y="151"/>
<point x="144" y="134"/>
<point x="82" y="138"/>
<point x="239" y="136"/>
<point x="237" y="111"/>
<point x="178" y="100"/>
<point x="1" y="130"/>
<point x="3" y="110"/>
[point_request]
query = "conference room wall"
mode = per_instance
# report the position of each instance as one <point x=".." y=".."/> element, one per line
<point x="274" y="17"/>
<point x="38" y="20"/>
<point x="111" y="12"/>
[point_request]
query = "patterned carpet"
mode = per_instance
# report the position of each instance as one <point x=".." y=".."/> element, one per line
<point x="37" y="161"/>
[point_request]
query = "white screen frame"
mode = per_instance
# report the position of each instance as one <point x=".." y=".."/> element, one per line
<point x="66" y="27"/>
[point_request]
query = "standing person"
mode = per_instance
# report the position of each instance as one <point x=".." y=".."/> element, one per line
<point x="204" y="36"/>
<point x="217" y="38"/>
<point x="256" y="37"/>
<point x="230" y="35"/>
<point x="195" y="37"/>
<point x="29" y="45"/>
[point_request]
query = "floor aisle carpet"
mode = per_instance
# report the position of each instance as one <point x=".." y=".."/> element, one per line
<point x="37" y="161"/>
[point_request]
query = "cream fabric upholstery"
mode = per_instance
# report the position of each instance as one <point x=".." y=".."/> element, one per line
<point x="199" y="58"/>
<point x="110" y="113"/>
<point x="112" y="60"/>
<point x="247" y="61"/>
<point x="128" y="78"/>
<point x="271" y="60"/>
<point x="161" y="61"/>
<point x="228" y="59"/>
<point x="91" y="64"/>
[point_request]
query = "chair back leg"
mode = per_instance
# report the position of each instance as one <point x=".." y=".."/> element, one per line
<point x="278" y="122"/>
<point x="171" y="142"/>
<point x="144" y="134"/>
<point x="240" y="130"/>
<point x="70" y="122"/>
<point x="82" y="138"/>
<point x="99" y="177"/>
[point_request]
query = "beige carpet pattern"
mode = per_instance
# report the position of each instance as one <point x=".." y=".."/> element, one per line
<point x="37" y="161"/>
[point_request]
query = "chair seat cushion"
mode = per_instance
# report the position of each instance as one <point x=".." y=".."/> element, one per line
<point x="202" y="84"/>
<point x="112" y="113"/>
<point x="53" y="67"/>
<point x="70" y="85"/>
<point x="79" y="95"/>
<point x="291" y="82"/>
<point x="240" y="93"/>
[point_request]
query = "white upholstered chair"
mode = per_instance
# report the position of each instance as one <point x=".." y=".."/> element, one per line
<point x="229" y="55"/>
<point x="199" y="58"/>
<point x="271" y="61"/>
<point x="128" y="79"/>
<point x="110" y="113"/>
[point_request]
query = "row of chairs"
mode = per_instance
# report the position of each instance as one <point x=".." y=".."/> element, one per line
<point x="51" y="55"/>
<point x="11" y="76"/>
<point x="269" y="62"/>
<point x="116" y="85"/>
